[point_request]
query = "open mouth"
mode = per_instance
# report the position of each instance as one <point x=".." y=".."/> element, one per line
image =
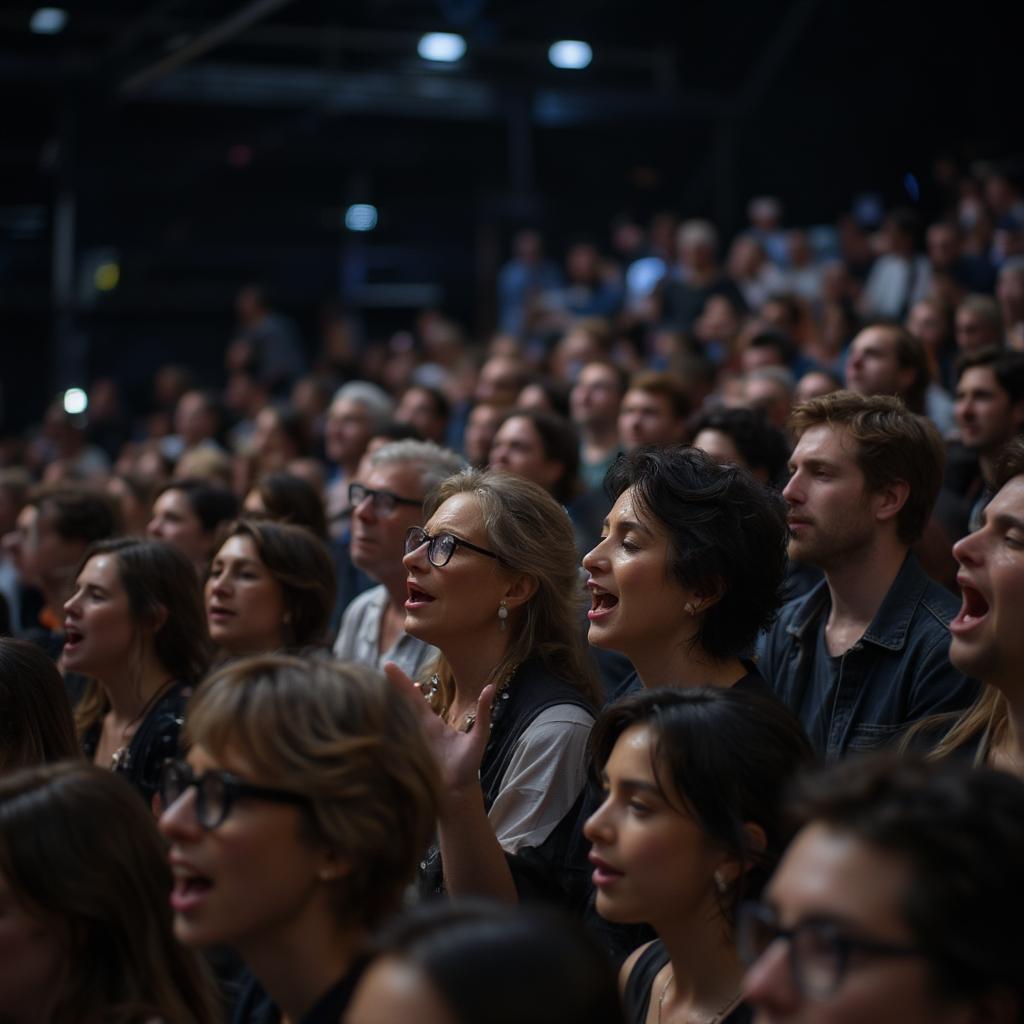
<point x="973" y="609"/>
<point x="189" y="889"/>
<point x="603" y="874"/>
<point x="72" y="638"/>
<point x="218" y="612"/>
<point x="417" y="598"/>
<point x="601" y="602"/>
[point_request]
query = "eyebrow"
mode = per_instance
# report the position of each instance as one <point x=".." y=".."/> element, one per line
<point x="812" y="463"/>
<point x="1003" y="520"/>
<point x="634" y="784"/>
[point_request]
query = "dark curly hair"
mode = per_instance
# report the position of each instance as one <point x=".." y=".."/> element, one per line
<point x="761" y="445"/>
<point x="727" y="533"/>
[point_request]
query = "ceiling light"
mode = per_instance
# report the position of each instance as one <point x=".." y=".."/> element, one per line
<point x="570" y="53"/>
<point x="48" y="21"/>
<point x="361" y="217"/>
<point x="441" y="46"/>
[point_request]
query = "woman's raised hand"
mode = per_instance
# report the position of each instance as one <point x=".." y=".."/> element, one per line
<point x="458" y="753"/>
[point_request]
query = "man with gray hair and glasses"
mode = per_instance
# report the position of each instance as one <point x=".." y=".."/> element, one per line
<point x="385" y="503"/>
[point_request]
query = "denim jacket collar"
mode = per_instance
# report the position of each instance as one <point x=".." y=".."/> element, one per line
<point x="892" y="620"/>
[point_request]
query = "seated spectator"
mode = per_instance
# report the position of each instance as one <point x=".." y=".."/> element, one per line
<point x="898" y="277"/>
<point x="386" y="503"/>
<point x="465" y="963"/>
<point x="493" y="585"/>
<point x="688" y="571"/>
<point x="899" y="901"/>
<point x="197" y="424"/>
<point x="278" y="438"/>
<point x="134" y="497"/>
<point x="482" y="425"/>
<point x="696" y="278"/>
<point x="979" y="324"/>
<point x="745" y="438"/>
<point x="1010" y="293"/>
<point x="521" y="281"/>
<point x="594" y="405"/>
<point x="287" y="498"/>
<point x="691" y="825"/>
<point x="986" y="634"/>
<point x="540" y="447"/>
<point x="295" y="824"/>
<point x="187" y="515"/>
<point x="87" y="923"/>
<point x="544" y="394"/>
<point x="270" y="587"/>
<point x="35" y="717"/>
<point x="653" y="411"/>
<point x="816" y="384"/>
<point x="134" y="626"/>
<point x="427" y="410"/>
<point x="865" y="653"/>
<point x="770" y="389"/>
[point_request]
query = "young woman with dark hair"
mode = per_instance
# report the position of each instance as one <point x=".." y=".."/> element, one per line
<point x="295" y="825"/>
<point x="466" y="963"/>
<point x="134" y="625"/>
<point x="188" y="513"/>
<point x="85" y="926"/>
<point x="691" y="824"/>
<point x="286" y="498"/>
<point x="270" y="587"/>
<point x="689" y="569"/>
<point x="35" y="717"/>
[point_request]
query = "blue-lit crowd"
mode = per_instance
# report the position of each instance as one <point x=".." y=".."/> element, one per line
<point x="654" y="658"/>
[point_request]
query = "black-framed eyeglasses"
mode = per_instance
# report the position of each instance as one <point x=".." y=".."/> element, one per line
<point x="384" y="502"/>
<point x="441" y="547"/>
<point x="216" y="791"/>
<point x="819" y="952"/>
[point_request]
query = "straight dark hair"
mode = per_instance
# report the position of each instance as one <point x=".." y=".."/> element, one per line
<point x="724" y="757"/>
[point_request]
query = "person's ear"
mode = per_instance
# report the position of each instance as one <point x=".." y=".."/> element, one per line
<point x="520" y="589"/>
<point x="889" y="499"/>
<point x="333" y="867"/>
<point x="730" y="868"/>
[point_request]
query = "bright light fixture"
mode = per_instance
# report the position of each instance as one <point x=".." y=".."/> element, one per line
<point x="76" y="401"/>
<point x="361" y="217"/>
<point x="107" y="276"/>
<point x="48" y="21"/>
<point x="570" y="53"/>
<point x="441" y="46"/>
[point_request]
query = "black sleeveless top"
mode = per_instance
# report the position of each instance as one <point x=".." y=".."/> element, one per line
<point x="637" y="995"/>
<point x="557" y="870"/>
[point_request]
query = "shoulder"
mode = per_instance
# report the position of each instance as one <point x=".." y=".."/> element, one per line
<point x="365" y="602"/>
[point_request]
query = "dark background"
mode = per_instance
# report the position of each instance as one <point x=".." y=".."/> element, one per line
<point x="239" y="162"/>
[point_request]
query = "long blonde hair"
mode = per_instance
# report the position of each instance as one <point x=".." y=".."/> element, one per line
<point x="530" y="533"/>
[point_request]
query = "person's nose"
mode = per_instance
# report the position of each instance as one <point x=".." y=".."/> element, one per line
<point x="769" y="984"/>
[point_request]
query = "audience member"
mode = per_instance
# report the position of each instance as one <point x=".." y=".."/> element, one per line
<point x="898" y="902"/>
<point x="295" y="824"/>
<point x="86" y="924"/>
<point x="386" y="503"/>
<point x="866" y="652"/>
<point x="594" y="405"/>
<point x="745" y="438"/>
<point x="653" y="411"/>
<point x="691" y="825"/>
<point x="978" y="324"/>
<point x="287" y="498"/>
<point x="187" y="515"/>
<point x="428" y="410"/>
<point x="134" y="626"/>
<point x="270" y="587"/>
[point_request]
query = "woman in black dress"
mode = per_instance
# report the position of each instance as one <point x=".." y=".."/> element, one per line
<point x="691" y="824"/>
<point x="134" y="625"/>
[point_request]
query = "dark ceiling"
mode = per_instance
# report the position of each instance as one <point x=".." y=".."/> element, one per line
<point x="200" y="143"/>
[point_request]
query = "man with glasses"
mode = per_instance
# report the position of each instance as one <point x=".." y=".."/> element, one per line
<point x="899" y="902"/>
<point x="386" y="503"/>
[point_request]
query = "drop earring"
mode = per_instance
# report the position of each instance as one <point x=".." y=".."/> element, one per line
<point x="502" y="616"/>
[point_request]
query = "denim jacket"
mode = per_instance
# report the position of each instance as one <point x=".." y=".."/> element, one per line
<point x="896" y="673"/>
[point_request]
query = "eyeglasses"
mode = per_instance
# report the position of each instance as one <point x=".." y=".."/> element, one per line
<point x="819" y="953"/>
<point x="440" y="548"/>
<point x="384" y="502"/>
<point x="216" y="792"/>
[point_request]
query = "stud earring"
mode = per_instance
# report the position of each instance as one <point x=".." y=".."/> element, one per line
<point x="690" y="608"/>
<point x="502" y="616"/>
<point x="720" y="883"/>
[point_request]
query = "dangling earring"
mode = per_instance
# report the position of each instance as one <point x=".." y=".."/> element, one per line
<point x="720" y="883"/>
<point x="690" y="608"/>
<point x="502" y="616"/>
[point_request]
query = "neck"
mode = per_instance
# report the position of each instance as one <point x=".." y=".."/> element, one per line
<point x="706" y="971"/>
<point x="859" y="584"/>
<point x="684" y="665"/>
<point x="296" y="968"/>
<point x="600" y="438"/>
<point x="474" y="662"/>
<point x="129" y="690"/>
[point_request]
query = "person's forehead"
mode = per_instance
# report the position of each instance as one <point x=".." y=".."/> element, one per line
<point x="825" y="440"/>
<point x="875" y="339"/>
<point x="983" y="377"/>
<point x="394" y="476"/>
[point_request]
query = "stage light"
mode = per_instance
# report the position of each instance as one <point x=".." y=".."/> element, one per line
<point x="48" y="21"/>
<point x="573" y="54"/>
<point x="106" y="276"/>
<point x="76" y="401"/>
<point x="446" y="47"/>
<point x="361" y="217"/>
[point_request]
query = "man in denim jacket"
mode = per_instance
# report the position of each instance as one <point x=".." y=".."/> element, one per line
<point x="866" y="652"/>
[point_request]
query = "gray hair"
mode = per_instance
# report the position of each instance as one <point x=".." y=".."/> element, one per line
<point x="434" y="462"/>
<point x="378" y="403"/>
<point x="778" y="374"/>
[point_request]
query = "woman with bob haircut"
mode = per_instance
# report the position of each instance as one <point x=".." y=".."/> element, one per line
<point x="688" y="570"/>
<point x="493" y="584"/>
<point x="271" y="587"/>
<point x="306" y="800"/>
<point x="187" y="514"/>
<point x="36" y="726"/>
<point x="691" y="824"/>
<point x="85" y="927"/>
<point x="466" y="963"/>
<point x="134" y="625"/>
<point x="286" y="498"/>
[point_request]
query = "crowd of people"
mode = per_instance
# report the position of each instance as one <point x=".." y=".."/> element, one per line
<point x="670" y="633"/>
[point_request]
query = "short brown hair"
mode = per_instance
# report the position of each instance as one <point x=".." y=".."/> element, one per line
<point x="1011" y="462"/>
<point x="666" y="385"/>
<point x="350" y="741"/>
<point x="892" y="444"/>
